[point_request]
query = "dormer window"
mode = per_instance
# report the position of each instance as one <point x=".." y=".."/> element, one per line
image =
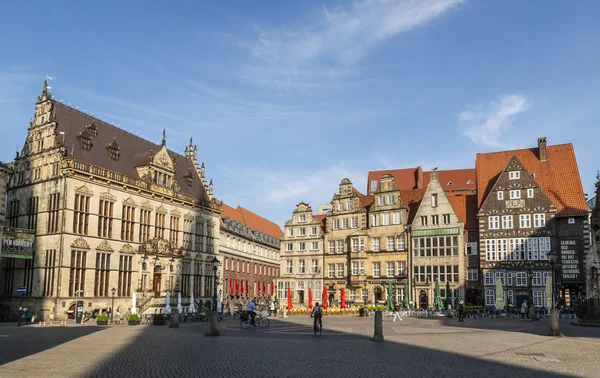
<point x="450" y="183"/>
<point x="469" y="182"/>
<point x="92" y="130"/>
<point x="85" y="143"/>
<point x="189" y="179"/>
<point x="114" y="153"/>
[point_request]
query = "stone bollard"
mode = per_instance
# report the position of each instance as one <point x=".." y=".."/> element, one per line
<point x="285" y="312"/>
<point x="449" y="312"/>
<point x="554" y="328"/>
<point x="378" y="334"/>
<point x="174" y="320"/>
<point x="213" y="325"/>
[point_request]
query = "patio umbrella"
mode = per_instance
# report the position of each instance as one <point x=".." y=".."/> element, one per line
<point x="549" y="292"/>
<point x="219" y="307"/>
<point x="343" y="299"/>
<point x="133" y="310"/>
<point x="289" y="298"/>
<point x="324" y="296"/>
<point x="168" y="306"/>
<point x="192" y="307"/>
<point x="437" y="301"/>
<point x="499" y="295"/>
<point x="405" y="303"/>
<point x="179" y="306"/>
<point x="448" y="295"/>
<point x="390" y="304"/>
<point x="310" y="305"/>
<point x="457" y="300"/>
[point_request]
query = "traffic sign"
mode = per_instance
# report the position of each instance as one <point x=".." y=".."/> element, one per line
<point x="21" y="290"/>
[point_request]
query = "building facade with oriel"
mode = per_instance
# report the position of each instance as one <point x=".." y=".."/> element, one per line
<point x="301" y="257"/>
<point x="114" y="215"/>
<point x="531" y="205"/>
<point x="438" y="248"/>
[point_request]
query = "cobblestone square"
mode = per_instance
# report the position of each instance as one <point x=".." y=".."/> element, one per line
<point x="412" y="348"/>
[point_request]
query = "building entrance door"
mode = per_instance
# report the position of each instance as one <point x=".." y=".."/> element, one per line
<point x="156" y="285"/>
<point x="378" y="295"/>
<point x="301" y="296"/>
<point x="423" y="299"/>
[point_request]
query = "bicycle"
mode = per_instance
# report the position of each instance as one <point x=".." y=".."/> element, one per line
<point x="318" y="327"/>
<point x="246" y="321"/>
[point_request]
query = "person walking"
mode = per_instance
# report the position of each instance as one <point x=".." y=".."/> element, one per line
<point x="461" y="311"/>
<point x="271" y="308"/>
<point x="524" y="310"/>
<point x="397" y="313"/>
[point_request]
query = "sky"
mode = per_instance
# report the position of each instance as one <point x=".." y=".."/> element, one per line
<point x="285" y="99"/>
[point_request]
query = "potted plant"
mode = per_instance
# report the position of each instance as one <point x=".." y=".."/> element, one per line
<point x="134" y="319"/>
<point x="158" y="319"/>
<point x="101" y="320"/>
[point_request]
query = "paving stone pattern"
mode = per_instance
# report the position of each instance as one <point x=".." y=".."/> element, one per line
<point x="412" y="348"/>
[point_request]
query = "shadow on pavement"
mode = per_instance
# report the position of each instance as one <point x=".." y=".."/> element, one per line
<point x="288" y="349"/>
<point x="24" y="341"/>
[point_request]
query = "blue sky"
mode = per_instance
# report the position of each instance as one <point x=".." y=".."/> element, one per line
<point x="284" y="99"/>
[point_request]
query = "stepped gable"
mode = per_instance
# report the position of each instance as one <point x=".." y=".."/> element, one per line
<point x="133" y="150"/>
<point x="416" y="178"/>
<point x="554" y="169"/>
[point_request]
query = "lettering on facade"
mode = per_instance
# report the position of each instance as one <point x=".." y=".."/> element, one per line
<point x="570" y="258"/>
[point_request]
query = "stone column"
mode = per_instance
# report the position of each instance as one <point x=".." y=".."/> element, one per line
<point x="193" y="256"/>
<point x="202" y="277"/>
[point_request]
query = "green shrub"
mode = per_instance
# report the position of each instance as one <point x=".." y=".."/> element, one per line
<point x="467" y="308"/>
<point x="134" y="317"/>
<point x="102" y="318"/>
<point x="158" y="317"/>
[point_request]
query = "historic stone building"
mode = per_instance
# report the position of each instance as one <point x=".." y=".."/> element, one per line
<point x="110" y="211"/>
<point x="346" y="223"/>
<point x="5" y="172"/>
<point x="249" y="250"/>
<point x="593" y="260"/>
<point x="302" y="256"/>
<point x="531" y="202"/>
<point x="438" y="247"/>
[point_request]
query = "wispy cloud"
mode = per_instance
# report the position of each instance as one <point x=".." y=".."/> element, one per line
<point x="486" y="126"/>
<point x="339" y="36"/>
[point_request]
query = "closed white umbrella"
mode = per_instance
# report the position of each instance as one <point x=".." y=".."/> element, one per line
<point x="168" y="306"/>
<point x="192" y="307"/>
<point x="219" y="309"/>
<point x="179" y="306"/>
<point x="133" y="310"/>
<point x="499" y="295"/>
<point x="549" y="292"/>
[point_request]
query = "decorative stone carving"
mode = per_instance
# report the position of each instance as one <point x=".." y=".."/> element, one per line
<point x="84" y="190"/>
<point x="146" y="206"/>
<point x="161" y="209"/>
<point x="127" y="248"/>
<point x="107" y="196"/>
<point x="130" y="202"/>
<point x="188" y="216"/>
<point x="160" y="246"/>
<point x="80" y="243"/>
<point x="175" y="213"/>
<point x="104" y="246"/>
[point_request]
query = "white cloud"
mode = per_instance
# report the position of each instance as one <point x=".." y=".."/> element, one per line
<point x="486" y="126"/>
<point x="342" y="35"/>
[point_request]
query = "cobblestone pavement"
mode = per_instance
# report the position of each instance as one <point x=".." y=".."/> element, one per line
<point x="412" y="348"/>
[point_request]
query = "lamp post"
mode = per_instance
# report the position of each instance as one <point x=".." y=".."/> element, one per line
<point x="532" y="311"/>
<point x="213" y="319"/>
<point x="112" y="307"/>
<point x="554" y="325"/>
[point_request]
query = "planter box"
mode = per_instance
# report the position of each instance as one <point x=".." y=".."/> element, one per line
<point x="133" y="322"/>
<point x="159" y="322"/>
<point x="101" y="322"/>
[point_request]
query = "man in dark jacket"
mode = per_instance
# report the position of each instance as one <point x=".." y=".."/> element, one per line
<point x="461" y="311"/>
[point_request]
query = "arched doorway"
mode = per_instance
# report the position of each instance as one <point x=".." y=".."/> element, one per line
<point x="156" y="281"/>
<point x="423" y="299"/>
<point x="378" y="294"/>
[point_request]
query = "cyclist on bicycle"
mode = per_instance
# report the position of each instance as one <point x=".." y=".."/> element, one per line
<point x="251" y="312"/>
<point x="317" y="313"/>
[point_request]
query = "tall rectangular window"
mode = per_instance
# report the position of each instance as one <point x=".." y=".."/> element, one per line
<point x="159" y="225"/>
<point x="390" y="243"/>
<point x="375" y="220"/>
<point x="423" y="220"/>
<point x="314" y="266"/>
<point x="354" y="222"/>
<point x="105" y="218"/>
<point x="507" y="221"/>
<point x="539" y="220"/>
<point x="489" y="298"/>
<point x="472" y="275"/>
<point x="12" y="216"/>
<point x="127" y="222"/>
<point x="81" y="214"/>
<point x="446" y="218"/>
<point x="49" y="273"/>
<point x="302" y="266"/>
<point x="32" y="211"/>
<point x="354" y="244"/>
<point x="53" y="206"/>
<point x="490" y="250"/>
<point x="376" y="269"/>
<point x="102" y="274"/>
<point x="401" y="243"/>
<point x="524" y="221"/>
<point x="434" y="200"/>
<point x="345" y="223"/>
<point x="198" y="236"/>
<point x="289" y="267"/>
<point x="340" y="270"/>
<point x="340" y="246"/>
<point x="386" y="219"/>
<point x="331" y="270"/>
<point x="362" y="268"/>
<point x="396" y="218"/>
<point x="125" y="270"/>
<point x="187" y="234"/>
<point x="144" y="226"/>
<point x="376" y="246"/>
<point x="435" y="220"/>
<point x="331" y="246"/>
<point x="355" y="268"/>
<point x="77" y="273"/>
<point x="493" y="222"/>
<point x="174" y="231"/>
<point x="390" y="268"/>
<point x="515" y="194"/>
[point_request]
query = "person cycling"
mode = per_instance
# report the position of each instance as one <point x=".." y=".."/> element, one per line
<point x="317" y="313"/>
<point x="251" y="312"/>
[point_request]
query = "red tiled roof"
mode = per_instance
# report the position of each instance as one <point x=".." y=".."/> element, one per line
<point x="231" y="213"/>
<point x="407" y="178"/>
<point x="133" y="150"/>
<point x="256" y="222"/>
<point x="558" y="176"/>
<point x="412" y="200"/>
<point x="321" y="218"/>
<point x="366" y="200"/>
<point x="465" y="207"/>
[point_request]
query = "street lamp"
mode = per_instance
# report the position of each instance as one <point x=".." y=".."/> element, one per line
<point x="213" y="320"/>
<point x="554" y="325"/>
<point x="532" y="311"/>
<point x="112" y="308"/>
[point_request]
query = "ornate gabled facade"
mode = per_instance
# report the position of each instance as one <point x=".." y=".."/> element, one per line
<point x="302" y="256"/>
<point x="347" y="221"/>
<point x="529" y="206"/>
<point x="593" y="260"/>
<point x="249" y="249"/>
<point x="5" y="173"/>
<point x="437" y="252"/>
<point x="109" y="210"/>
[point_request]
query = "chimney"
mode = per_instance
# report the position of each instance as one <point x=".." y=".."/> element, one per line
<point x="542" y="150"/>
<point x="419" y="178"/>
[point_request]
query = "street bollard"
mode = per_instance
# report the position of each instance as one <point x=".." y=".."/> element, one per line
<point x="174" y="320"/>
<point x="285" y="312"/>
<point x="554" y="328"/>
<point x="213" y="325"/>
<point x="378" y="334"/>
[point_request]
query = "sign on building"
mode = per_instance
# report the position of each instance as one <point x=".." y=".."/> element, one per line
<point x="571" y="259"/>
<point x="17" y="243"/>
